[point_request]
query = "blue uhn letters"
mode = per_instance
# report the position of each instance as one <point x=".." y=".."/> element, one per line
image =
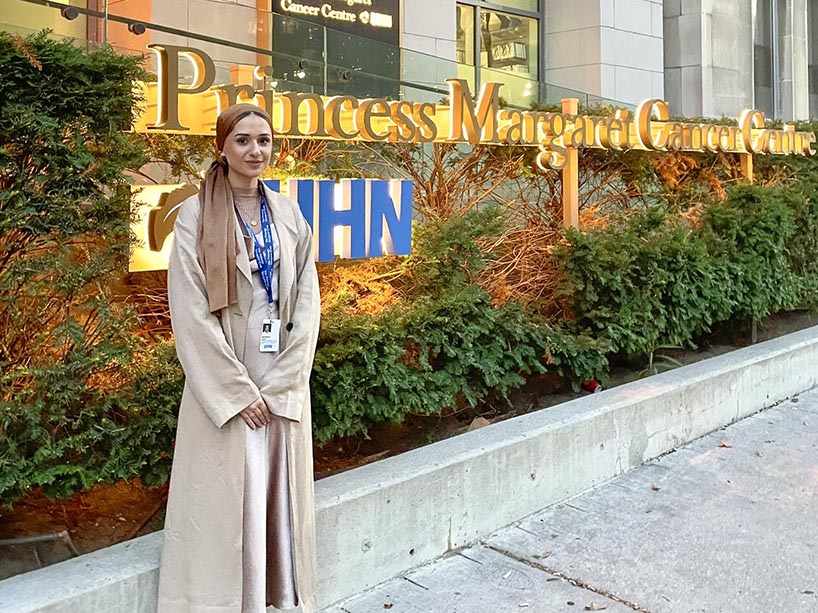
<point x="356" y="218"/>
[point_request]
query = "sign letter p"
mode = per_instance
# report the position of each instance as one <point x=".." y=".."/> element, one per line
<point x="167" y="60"/>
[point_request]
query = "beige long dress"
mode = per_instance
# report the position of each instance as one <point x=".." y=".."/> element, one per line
<point x="269" y="577"/>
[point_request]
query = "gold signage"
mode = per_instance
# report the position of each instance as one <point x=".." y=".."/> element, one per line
<point x="193" y="109"/>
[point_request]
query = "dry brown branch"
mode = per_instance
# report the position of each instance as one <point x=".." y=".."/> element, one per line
<point x="358" y="287"/>
<point x="523" y="269"/>
<point x="450" y="179"/>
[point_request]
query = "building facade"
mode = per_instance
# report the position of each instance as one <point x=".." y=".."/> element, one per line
<point x="708" y="58"/>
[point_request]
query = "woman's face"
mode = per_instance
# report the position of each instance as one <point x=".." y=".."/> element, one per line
<point x="248" y="149"/>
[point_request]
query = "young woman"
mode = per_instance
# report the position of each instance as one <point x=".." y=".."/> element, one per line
<point x="244" y="302"/>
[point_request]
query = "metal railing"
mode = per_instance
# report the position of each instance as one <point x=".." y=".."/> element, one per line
<point x="307" y="57"/>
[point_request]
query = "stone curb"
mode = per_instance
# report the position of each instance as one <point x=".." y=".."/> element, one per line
<point x="379" y="520"/>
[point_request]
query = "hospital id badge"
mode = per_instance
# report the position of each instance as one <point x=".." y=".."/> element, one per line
<point x="270" y="329"/>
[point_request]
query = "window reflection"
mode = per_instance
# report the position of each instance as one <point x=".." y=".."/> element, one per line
<point x="523" y="5"/>
<point x="508" y="42"/>
<point x="465" y="34"/>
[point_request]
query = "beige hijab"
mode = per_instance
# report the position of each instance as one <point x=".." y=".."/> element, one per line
<point x="216" y="245"/>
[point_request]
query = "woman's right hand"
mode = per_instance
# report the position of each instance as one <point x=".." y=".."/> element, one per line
<point x="256" y="414"/>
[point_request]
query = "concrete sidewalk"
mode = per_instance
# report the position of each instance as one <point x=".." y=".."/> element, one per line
<point x="728" y="523"/>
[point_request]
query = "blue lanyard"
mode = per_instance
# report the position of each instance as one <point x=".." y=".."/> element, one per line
<point x="265" y="253"/>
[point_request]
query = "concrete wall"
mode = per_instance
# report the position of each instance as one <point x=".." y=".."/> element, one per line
<point x="430" y="27"/>
<point x="235" y="21"/>
<point x="379" y="520"/>
<point x="708" y="56"/>
<point x="607" y="48"/>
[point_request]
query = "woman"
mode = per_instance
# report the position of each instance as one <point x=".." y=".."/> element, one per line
<point x="240" y="529"/>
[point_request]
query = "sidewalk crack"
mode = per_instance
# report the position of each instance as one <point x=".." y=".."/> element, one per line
<point x="423" y="587"/>
<point x="463" y="555"/>
<point x="575" y="582"/>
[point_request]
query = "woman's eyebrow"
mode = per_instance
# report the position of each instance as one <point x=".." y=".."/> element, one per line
<point x="246" y="135"/>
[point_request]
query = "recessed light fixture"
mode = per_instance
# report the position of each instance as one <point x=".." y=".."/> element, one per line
<point x="69" y="12"/>
<point x="137" y="28"/>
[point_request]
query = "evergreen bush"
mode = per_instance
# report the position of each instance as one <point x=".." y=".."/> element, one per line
<point x="654" y="279"/>
<point x="64" y="223"/>
<point x="445" y="348"/>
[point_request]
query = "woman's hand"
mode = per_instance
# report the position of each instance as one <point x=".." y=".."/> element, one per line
<point x="256" y="414"/>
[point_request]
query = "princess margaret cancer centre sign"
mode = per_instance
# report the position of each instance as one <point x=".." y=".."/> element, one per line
<point x="192" y="109"/>
<point x="374" y="218"/>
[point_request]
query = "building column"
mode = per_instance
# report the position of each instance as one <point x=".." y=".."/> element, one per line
<point x="794" y="59"/>
<point x="609" y="49"/>
<point x="429" y="34"/>
<point x="708" y="56"/>
<point x="429" y="27"/>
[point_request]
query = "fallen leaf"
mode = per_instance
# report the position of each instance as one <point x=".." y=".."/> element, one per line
<point x="507" y="575"/>
<point x="655" y="487"/>
<point x="523" y="605"/>
<point x="544" y="555"/>
<point x="794" y="399"/>
<point x="725" y="444"/>
<point x="759" y="454"/>
<point x="478" y="422"/>
<point x="388" y="605"/>
<point x="595" y="606"/>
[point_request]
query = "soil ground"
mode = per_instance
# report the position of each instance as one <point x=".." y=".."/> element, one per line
<point x="109" y="514"/>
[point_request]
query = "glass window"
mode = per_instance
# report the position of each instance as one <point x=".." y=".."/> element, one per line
<point x="763" y="56"/>
<point x="509" y="42"/>
<point x="465" y="34"/>
<point x="26" y="18"/>
<point x="523" y="5"/>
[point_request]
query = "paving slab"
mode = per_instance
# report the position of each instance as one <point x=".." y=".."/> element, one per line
<point x="726" y="524"/>
<point x="730" y="523"/>
<point x="479" y="579"/>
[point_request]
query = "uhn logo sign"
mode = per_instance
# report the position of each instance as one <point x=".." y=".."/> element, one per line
<point x="356" y="218"/>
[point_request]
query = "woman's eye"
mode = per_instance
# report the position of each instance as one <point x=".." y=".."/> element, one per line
<point x="264" y="141"/>
<point x="242" y="141"/>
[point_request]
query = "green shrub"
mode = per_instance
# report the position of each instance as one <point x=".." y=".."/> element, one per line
<point x="750" y="232"/>
<point x="65" y="435"/>
<point x="644" y="282"/>
<point x="440" y="353"/>
<point x="447" y="348"/>
<point x="65" y="203"/>
<point x="802" y="244"/>
<point x="654" y="279"/>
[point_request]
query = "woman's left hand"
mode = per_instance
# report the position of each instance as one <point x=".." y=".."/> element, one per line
<point x="256" y="414"/>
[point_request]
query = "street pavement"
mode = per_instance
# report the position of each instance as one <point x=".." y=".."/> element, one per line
<point x="726" y="524"/>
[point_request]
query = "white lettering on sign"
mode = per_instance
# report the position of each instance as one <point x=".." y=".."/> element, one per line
<point x="299" y="9"/>
<point x="379" y="20"/>
<point x="376" y="20"/>
<point x="328" y="12"/>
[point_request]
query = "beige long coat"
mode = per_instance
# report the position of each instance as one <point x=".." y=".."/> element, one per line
<point x="201" y="567"/>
